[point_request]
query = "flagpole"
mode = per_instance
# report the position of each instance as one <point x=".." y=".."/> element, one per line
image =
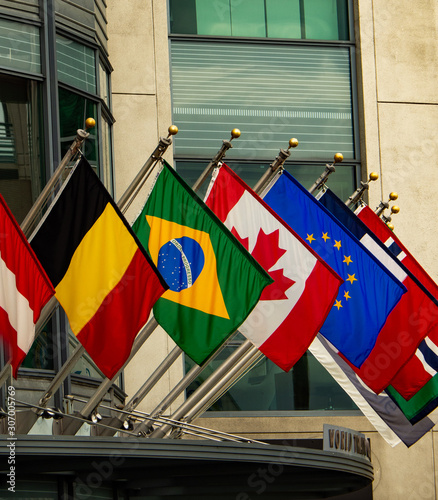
<point x="27" y="421"/>
<point x="357" y="195"/>
<point x="46" y="192"/>
<point x="322" y="179"/>
<point x="387" y="220"/>
<point x="274" y="167"/>
<point x="220" y="155"/>
<point x="159" y="151"/>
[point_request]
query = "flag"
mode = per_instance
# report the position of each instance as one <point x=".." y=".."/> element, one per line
<point x="294" y="307"/>
<point x="369" y="291"/>
<point x="24" y="289"/>
<point x="386" y="416"/>
<point x="405" y="328"/>
<point x="420" y="371"/>
<point x="103" y="278"/>
<point x="214" y="283"/>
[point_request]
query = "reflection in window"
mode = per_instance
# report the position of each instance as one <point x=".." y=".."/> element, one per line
<point x="74" y="109"/>
<point x="76" y="64"/>
<point x="265" y="387"/>
<point x="299" y="19"/>
<point x="21" y="174"/>
<point x="342" y="182"/>
<point x="271" y="93"/>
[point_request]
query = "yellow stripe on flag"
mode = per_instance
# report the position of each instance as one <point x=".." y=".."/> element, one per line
<point x="98" y="264"/>
<point x="205" y="294"/>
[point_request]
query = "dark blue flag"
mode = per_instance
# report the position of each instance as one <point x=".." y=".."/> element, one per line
<point x="369" y="292"/>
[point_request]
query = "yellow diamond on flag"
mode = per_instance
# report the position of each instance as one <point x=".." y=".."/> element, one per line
<point x="186" y="259"/>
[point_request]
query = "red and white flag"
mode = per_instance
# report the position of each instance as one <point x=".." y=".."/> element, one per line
<point x="293" y="308"/>
<point x="24" y="289"/>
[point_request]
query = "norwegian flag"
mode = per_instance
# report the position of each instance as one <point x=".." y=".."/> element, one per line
<point x="423" y="366"/>
<point x="293" y="308"/>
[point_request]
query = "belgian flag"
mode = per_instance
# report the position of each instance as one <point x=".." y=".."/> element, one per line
<point x="104" y="280"/>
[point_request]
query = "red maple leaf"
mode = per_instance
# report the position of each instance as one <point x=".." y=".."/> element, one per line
<point x="267" y="252"/>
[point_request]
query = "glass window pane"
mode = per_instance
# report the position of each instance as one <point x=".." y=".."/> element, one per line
<point x="104" y="85"/>
<point x="265" y="387"/>
<point x="343" y="182"/>
<point x="107" y="177"/>
<point x="321" y="19"/>
<point x="183" y="17"/>
<point x="21" y="171"/>
<point x="271" y="93"/>
<point x="73" y="111"/>
<point x="248" y="18"/>
<point x="213" y="17"/>
<point x="20" y="46"/>
<point x="76" y="64"/>
<point x="283" y="18"/>
<point x="85" y="366"/>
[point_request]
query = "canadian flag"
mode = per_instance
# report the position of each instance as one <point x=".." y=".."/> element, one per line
<point x="24" y="289"/>
<point x="293" y="308"/>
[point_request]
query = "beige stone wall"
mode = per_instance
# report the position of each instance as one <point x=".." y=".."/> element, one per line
<point x="398" y="65"/>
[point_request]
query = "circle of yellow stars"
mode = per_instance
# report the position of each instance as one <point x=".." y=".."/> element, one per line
<point x="347" y="261"/>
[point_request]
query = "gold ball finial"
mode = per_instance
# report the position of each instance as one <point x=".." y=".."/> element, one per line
<point x="173" y="130"/>
<point x="393" y="196"/>
<point x="374" y="176"/>
<point x="90" y="123"/>
<point x="235" y="133"/>
<point x="391" y="226"/>
<point x="395" y="209"/>
<point x="338" y="157"/>
<point x="293" y="143"/>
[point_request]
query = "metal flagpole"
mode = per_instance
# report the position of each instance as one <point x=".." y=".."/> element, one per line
<point x="47" y="191"/>
<point x="283" y="155"/>
<point x="322" y="179"/>
<point x="41" y="200"/>
<point x="357" y="195"/>
<point x="27" y="422"/>
<point x="220" y="155"/>
<point x="246" y="355"/>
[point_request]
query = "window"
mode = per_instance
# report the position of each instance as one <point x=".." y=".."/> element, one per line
<point x="290" y="19"/>
<point x="21" y="165"/>
<point x="275" y="69"/>
<point x="47" y="91"/>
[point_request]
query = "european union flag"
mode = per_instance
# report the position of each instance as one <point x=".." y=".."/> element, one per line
<point x="369" y="292"/>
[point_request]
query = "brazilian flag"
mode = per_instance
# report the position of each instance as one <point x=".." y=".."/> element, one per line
<point x="214" y="283"/>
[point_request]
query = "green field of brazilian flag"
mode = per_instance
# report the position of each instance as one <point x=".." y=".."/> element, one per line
<point x="214" y="283"/>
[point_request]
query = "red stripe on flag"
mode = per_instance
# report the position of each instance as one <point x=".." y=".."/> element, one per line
<point x="109" y="335"/>
<point x="287" y="344"/>
<point x="31" y="279"/>
<point x="9" y="337"/>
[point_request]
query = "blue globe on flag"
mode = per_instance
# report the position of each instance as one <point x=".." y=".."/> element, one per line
<point x="180" y="262"/>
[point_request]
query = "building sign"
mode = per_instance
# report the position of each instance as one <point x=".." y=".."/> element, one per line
<point x="346" y="441"/>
